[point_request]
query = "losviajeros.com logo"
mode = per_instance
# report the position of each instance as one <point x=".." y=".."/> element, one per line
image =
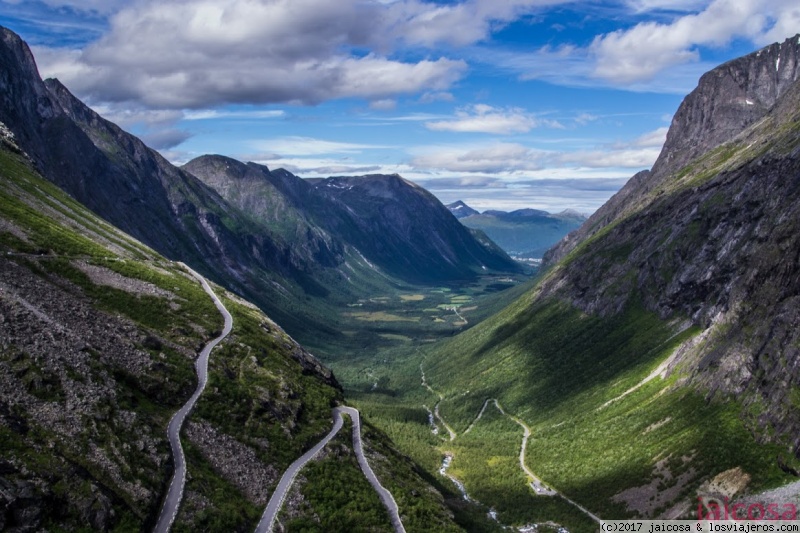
<point x="713" y="509"/>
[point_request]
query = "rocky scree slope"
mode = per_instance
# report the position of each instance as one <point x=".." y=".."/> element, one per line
<point x="98" y="334"/>
<point x="711" y="234"/>
<point x="98" y="337"/>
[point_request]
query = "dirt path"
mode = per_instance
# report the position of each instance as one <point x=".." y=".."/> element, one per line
<point x="452" y="433"/>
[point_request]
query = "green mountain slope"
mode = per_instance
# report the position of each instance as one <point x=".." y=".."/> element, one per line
<point x="660" y="351"/>
<point x="98" y="336"/>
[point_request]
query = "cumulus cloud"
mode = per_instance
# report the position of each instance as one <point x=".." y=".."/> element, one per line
<point x="642" y="52"/>
<point x="458" y="24"/>
<point x="204" y="53"/>
<point x="487" y="119"/>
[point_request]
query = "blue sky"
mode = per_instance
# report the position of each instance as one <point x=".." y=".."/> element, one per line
<point x="550" y="104"/>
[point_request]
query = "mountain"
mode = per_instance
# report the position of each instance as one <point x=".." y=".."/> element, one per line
<point x="277" y="262"/>
<point x="99" y="336"/>
<point x="656" y="359"/>
<point x="390" y="221"/>
<point x="523" y="232"/>
<point x="726" y="101"/>
<point x="98" y="339"/>
<point x="461" y="210"/>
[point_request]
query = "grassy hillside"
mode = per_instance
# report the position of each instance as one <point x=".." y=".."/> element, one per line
<point x="654" y="361"/>
<point x="99" y="335"/>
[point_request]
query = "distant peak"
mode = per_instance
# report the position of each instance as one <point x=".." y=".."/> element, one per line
<point x="461" y="210"/>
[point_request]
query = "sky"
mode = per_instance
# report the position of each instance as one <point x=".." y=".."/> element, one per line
<point x="504" y="104"/>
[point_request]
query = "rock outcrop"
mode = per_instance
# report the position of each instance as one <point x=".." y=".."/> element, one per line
<point x="711" y="235"/>
<point x="727" y="100"/>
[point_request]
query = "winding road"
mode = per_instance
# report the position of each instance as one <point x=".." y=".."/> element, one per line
<point x="536" y="484"/>
<point x="275" y="503"/>
<point x="175" y="493"/>
<point x="452" y="433"/>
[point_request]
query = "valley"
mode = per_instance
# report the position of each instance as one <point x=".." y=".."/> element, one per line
<point x="222" y="346"/>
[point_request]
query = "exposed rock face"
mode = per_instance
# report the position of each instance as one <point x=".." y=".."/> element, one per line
<point x="727" y="100"/>
<point x="404" y="228"/>
<point x="711" y="234"/>
<point x="257" y="192"/>
<point x="236" y="461"/>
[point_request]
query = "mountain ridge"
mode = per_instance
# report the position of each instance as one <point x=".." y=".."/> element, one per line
<point x="667" y="321"/>
<point x="727" y="100"/>
<point x="522" y="232"/>
<point x="171" y="210"/>
<point x="390" y="221"/>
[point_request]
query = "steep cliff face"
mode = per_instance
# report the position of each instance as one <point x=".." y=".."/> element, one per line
<point x="273" y="201"/>
<point x="727" y="100"/>
<point x="396" y="225"/>
<point x="404" y="228"/>
<point x="711" y="235"/>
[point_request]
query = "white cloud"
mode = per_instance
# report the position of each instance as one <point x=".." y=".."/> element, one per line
<point x="487" y="119"/>
<point x="304" y="146"/>
<point x="212" y="114"/>
<point x="495" y="158"/>
<point x="387" y="104"/>
<point x="458" y="24"/>
<point x="653" y="139"/>
<point x="647" y="49"/>
<point x="431" y="97"/>
<point x="203" y="53"/>
<point x="631" y="158"/>
<point x="639" y="153"/>
<point x="644" y="6"/>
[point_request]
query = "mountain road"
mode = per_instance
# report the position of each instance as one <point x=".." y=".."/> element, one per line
<point x="175" y="494"/>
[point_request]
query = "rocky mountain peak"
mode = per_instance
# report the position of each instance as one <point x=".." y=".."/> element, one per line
<point x="461" y="210"/>
<point x="727" y="100"/>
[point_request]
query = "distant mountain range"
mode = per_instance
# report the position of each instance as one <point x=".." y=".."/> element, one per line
<point x="523" y="232"/>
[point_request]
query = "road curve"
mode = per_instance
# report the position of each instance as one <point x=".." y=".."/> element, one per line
<point x="385" y="495"/>
<point x="175" y="493"/>
<point x="275" y="503"/>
